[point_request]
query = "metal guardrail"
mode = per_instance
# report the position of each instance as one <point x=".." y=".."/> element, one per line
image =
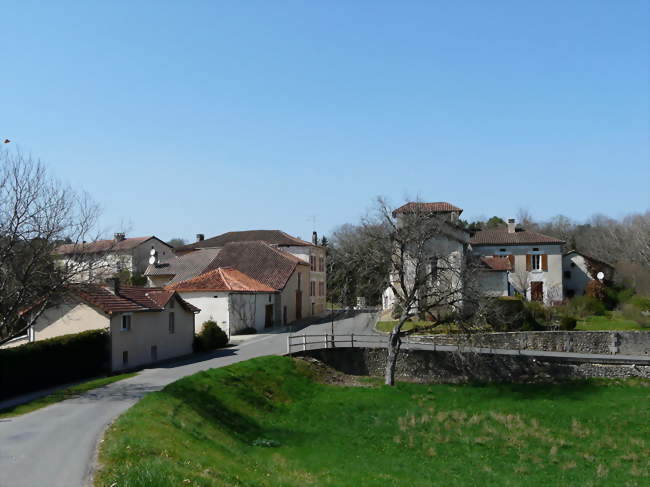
<point x="296" y="343"/>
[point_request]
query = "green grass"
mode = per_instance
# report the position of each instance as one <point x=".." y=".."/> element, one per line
<point x="266" y="422"/>
<point x="62" y="395"/>
<point x="387" y="327"/>
<point x="595" y="323"/>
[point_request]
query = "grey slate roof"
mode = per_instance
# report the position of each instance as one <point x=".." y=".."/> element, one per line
<point x="503" y="237"/>
<point x="276" y="237"/>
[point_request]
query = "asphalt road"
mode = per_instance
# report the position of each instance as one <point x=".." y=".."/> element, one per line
<point x="55" y="446"/>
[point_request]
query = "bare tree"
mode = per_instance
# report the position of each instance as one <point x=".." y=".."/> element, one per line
<point x="430" y="270"/>
<point x="37" y="214"/>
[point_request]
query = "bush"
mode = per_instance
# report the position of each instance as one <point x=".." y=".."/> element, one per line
<point x="583" y="306"/>
<point x="249" y="330"/>
<point x="210" y="337"/>
<point x="52" y="362"/>
<point x="505" y="313"/>
<point x="640" y="302"/>
<point x="631" y="312"/>
<point x="568" y="323"/>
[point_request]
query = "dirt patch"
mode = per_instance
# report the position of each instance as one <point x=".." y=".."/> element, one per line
<point x="323" y="373"/>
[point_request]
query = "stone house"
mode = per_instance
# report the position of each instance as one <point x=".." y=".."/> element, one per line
<point x="579" y="269"/>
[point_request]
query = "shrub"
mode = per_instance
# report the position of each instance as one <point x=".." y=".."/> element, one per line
<point x="210" y="337"/>
<point x="582" y="306"/>
<point x="631" y="312"/>
<point x="640" y="302"/>
<point x="568" y="323"/>
<point x="55" y="361"/>
<point x="249" y="330"/>
<point x="505" y="314"/>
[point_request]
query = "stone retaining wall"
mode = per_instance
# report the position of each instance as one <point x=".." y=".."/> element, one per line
<point x="599" y="342"/>
<point x="435" y="366"/>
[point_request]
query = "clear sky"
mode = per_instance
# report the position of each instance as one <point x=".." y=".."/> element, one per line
<point x="193" y="117"/>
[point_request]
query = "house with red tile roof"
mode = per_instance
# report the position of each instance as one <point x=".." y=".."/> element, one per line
<point x="101" y="259"/>
<point x="535" y="260"/>
<point x="146" y="325"/>
<point x="229" y="297"/>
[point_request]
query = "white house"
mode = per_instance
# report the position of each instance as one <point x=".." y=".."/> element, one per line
<point x="230" y="298"/>
<point x="101" y="259"/>
<point x="535" y="259"/>
<point x="146" y="325"/>
<point x="579" y="269"/>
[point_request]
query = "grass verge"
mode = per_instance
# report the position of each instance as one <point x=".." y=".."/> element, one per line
<point x="268" y="422"/>
<point x="62" y="395"/>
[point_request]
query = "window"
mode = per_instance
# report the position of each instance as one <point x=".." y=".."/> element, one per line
<point x="172" y="324"/>
<point x="567" y="274"/>
<point x="573" y="264"/>
<point x="312" y="288"/>
<point x="172" y="303"/>
<point x="270" y="297"/>
<point x="312" y="263"/>
<point x="126" y="322"/>
<point x="536" y="262"/>
<point x="502" y="250"/>
<point x="535" y="249"/>
<point x="570" y="293"/>
<point x="125" y="357"/>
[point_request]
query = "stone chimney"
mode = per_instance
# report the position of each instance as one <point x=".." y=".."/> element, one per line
<point x="200" y="237"/>
<point x="314" y="237"/>
<point x="114" y="285"/>
<point x="511" y="225"/>
<point x="119" y="236"/>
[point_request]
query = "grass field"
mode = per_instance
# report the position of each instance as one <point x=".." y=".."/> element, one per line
<point x="62" y="395"/>
<point x="595" y="323"/>
<point x="387" y="326"/>
<point x="268" y="422"/>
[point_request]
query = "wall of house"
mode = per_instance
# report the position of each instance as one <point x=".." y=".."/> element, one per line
<point x="141" y="253"/>
<point x="96" y="268"/>
<point x="213" y="306"/>
<point x="493" y="283"/>
<point x="249" y="310"/>
<point x="288" y="294"/>
<point x="66" y="318"/>
<point x="303" y="253"/>
<point x="578" y="275"/>
<point x="519" y="277"/>
<point x="150" y="329"/>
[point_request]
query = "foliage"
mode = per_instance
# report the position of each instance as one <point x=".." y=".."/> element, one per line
<point x="596" y="289"/>
<point x="52" y="362"/>
<point x="631" y="312"/>
<point x="210" y="337"/>
<point x="568" y="323"/>
<point x="177" y="242"/>
<point x="201" y="429"/>
<point x="582" y="306"/>
<point x="62" y="395"/>
<point x="136" y="279"/>
<point x="641" y="302"/>
<point x="505" y="313"/>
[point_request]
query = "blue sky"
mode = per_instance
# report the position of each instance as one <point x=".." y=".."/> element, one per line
<point x="206" y="116"/>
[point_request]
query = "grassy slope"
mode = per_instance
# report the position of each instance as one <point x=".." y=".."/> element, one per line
<point x="202" y="431"/>
<point x="62" y="395"/>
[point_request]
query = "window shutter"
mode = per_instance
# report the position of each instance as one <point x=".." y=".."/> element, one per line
<point x="529" y="262"/>
<point x="545" y="262"/>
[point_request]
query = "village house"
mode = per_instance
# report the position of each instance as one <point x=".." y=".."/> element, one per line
<point x="535" y="259"/>
<point x="229" y="297"/>
<point x="579" y="269"/>
<point x="493" y="276"/>
<point x="146" y="325"/>
<point x="447" y="249"/>
<point x="101" y="259"/>
<point x="309" y="252"/>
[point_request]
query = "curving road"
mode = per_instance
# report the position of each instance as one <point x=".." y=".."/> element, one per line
<point x="55" y="446"/>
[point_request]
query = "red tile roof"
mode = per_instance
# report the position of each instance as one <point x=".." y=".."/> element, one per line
<point x="224" y="279"/>
<point x="437" y="207"/>
<point x="497" y="263"/>
<point x="259" y="260"/>
<point x="128" y="299"/>
<point x="108" y="245"/>
<point x="503" y="237"/>
<point x="276" y="237"/>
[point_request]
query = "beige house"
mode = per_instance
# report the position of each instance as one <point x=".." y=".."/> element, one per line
<point x="311" y="253"/>
<point x="535" y="259"/>
<point x="145" y="325"/>
<point x="230" y="298"/>
<point x="99" y="260"/>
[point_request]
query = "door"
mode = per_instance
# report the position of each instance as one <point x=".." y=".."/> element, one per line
<point x="268" y="318"/>
<point x="299" y="305"/>
<point x="537" y="291"/>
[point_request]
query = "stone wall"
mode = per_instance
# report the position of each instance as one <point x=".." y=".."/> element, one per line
<point x="599" y="342"/>
<point x="435" y="366"/>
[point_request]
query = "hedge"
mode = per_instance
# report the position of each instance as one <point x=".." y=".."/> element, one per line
<point x="55" y="361"/>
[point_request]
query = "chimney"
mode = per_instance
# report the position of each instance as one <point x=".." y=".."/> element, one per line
<point x="114" y="285"/>
<point x="511" y="225"/>
<point x="200" y="237"/>
<point x="314" y="237"/>
<point x="119" y="236"/>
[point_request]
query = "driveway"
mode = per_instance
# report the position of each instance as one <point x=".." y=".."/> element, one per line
<point x="55" y="446"/>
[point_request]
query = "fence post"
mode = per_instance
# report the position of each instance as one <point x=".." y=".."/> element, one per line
<point x="304" y="343"/>
<point x="352" y="340"/>
<point x="288" y="344"/>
